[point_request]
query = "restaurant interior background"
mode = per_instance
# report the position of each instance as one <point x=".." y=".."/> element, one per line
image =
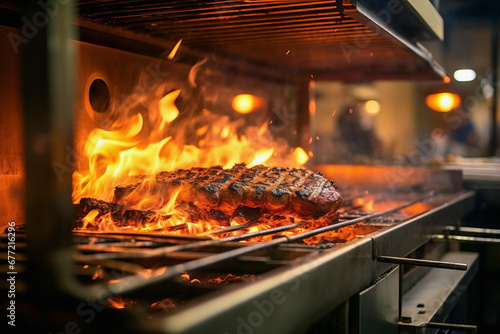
<point x="422" y="135"/>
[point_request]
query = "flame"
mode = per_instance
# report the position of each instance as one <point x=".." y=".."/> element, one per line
<point x="300" y="156"/>
<point x="172" y="53"/>
<point x="135" y="146"/>
<point x="90" y="217"/>
<point x="99" y="273"/>
<point x="120" y="303"/>
<point x="168" y="110"/>
<point x="261" y="156"/>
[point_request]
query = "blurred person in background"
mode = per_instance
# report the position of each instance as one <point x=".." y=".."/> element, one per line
<point x="463" y="138"/>
<point x="354" y="143"/>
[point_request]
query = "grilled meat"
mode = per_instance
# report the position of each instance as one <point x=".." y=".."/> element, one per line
<point x="278" y="191"/>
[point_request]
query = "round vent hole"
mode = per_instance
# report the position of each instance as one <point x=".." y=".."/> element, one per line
<point x="99" y="95"/>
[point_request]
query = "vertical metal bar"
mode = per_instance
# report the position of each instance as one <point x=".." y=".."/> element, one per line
<point x="400" y="306"/>
<point x="48" y="64"/>
<point x="494" y="78"/>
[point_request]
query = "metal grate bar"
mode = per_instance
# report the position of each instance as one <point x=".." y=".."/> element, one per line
<point x="138" y="282"/>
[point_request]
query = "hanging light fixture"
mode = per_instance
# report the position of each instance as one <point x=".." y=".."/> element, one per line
<point x="464" y="75"/>
<point x="443" y="102"/>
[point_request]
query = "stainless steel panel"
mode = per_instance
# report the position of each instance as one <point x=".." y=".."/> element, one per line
<point x="435" y="295"/>
<point x="379" y="305"/>
<point x="408" y="236"/>
<point x="285" y="300"/>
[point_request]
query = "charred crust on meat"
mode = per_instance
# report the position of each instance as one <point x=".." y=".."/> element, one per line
<point x="259" y="189"/>
<point x="303" y="193"/>
<point x="212" y="188"/>
<point x="235" y="186"/>
<point x="278" y="192"/>
<point x="294" y="192"/>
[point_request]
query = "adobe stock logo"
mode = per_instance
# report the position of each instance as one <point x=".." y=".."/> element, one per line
<point x="40" y="19"/>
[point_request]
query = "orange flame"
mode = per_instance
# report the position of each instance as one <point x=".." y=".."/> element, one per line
<point x="120" y="303"/>
<point x="137" y="146"/>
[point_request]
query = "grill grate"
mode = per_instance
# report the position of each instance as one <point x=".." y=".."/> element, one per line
<point x="178" y="280"/>
<point x="308" y="37"/>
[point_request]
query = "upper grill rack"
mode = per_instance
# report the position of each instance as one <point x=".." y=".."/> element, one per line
<point x="319" y="38"/>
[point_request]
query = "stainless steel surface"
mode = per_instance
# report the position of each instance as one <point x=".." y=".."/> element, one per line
<point x="307" y="289"/>
<point x="408" y="236"/>
<point x="435" y="295"/>
<point x="379" y="305"/>
<point x="323" y="280"/>
<point x="369" y="17"/>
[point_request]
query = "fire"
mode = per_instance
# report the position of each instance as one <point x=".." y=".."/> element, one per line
<point x="215" y="278"/>
<point x="300" y="155"/>
<point x="172" y="53"/>
<point x="138" y="145"/>
<point x="120" y="303"/>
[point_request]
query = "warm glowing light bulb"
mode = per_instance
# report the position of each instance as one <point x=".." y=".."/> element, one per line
<point x="246" y="103"/>
<point x="443" y="102"/>
<point x="372" y="107"/>
<point x="446" y="101"/>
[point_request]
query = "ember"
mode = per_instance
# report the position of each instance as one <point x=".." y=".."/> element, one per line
<point x="217" y="278"/>
<point x="120" y="303"/>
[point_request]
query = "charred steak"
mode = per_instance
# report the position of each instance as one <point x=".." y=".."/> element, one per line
<point x="279" y="191"/>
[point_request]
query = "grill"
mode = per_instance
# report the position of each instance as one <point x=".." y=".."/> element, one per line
<point x="268" y="32"/>
<point x="183" y="283"/>
<point x="374" y="270"/>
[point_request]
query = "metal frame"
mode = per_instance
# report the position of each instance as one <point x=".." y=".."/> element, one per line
<point x="48" y="64"/>
<point x="273" y="304"/>
<point x="322" y="278"/>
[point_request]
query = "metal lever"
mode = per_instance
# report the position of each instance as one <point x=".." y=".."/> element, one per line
<point x="418" y="262"/>
<point x="423" y="263"/>
<point x="470" y="234"/>
<point x="468" y="328"/>
<point x="407" y="327"/>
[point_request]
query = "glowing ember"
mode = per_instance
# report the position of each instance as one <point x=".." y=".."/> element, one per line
<point x="99" y="273"/>
<point x="120" y="303"/>
<point x="217" y="278"/>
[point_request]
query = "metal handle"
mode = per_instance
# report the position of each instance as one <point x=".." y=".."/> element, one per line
<point x="470" y="234"/>
<point x="468" y="328"/>
<point x="464" y="238"/>
<point x="423" y="263"/>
